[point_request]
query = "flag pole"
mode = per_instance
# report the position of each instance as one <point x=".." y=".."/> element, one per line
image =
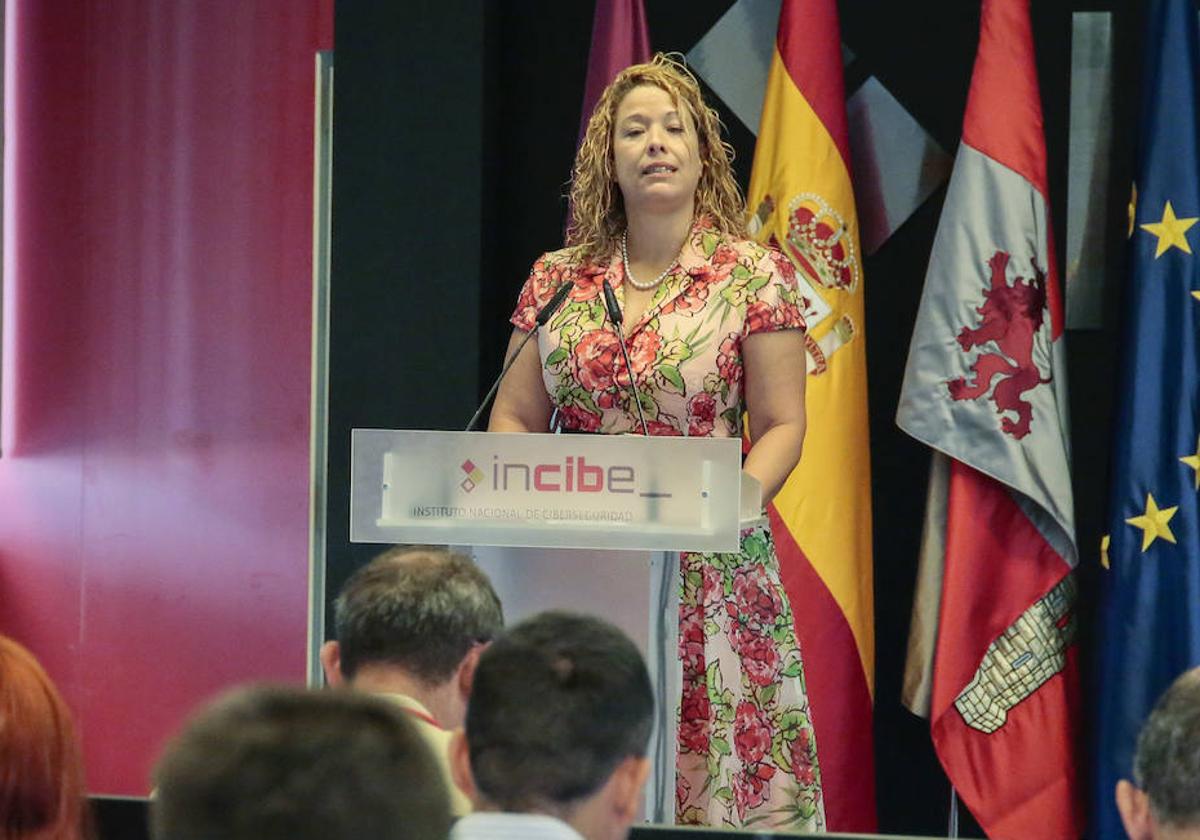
<point x="952" y="827"/>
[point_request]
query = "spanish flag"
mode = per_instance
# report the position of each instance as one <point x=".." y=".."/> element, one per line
<point x="802" y="202"/>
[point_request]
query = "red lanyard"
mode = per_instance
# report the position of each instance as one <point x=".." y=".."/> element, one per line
<point x="417" y="713"/>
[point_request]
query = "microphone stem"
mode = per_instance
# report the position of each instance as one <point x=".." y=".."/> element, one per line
<point x="637" y="400"/>
<point x="496" y="385"/>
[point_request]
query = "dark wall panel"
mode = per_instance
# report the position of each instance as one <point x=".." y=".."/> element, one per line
<point x="407" y="196"/>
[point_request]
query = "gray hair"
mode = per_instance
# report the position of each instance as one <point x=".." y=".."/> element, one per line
<point x="419" y="607"/>
<point x="1167" y="763"/>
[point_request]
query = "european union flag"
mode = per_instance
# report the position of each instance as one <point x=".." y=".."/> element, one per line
<point x="1150" y="608"/>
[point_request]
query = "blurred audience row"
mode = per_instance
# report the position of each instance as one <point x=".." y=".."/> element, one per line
<point x="440" y="724"/>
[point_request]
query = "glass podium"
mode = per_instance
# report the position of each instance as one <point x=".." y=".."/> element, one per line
<point x="589" y="523"/>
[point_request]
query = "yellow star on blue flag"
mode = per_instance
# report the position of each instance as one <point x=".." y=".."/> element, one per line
<point x="1171" y="231"/>
<point x="1193" y="460"/>
<point x="1154" y="522"/>
<point x="1149" y="625"/>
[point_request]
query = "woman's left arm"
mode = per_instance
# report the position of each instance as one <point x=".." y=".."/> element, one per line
<point x="775" y="372"/>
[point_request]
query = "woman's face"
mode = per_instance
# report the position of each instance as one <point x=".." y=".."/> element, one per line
<point x="656" y="152"/>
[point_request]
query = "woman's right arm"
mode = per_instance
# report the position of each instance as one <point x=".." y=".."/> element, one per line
<point x="522" y="404"/>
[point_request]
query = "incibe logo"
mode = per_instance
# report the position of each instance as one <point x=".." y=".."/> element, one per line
<point x="474" y="475"/>
<point x="574" y="475"/>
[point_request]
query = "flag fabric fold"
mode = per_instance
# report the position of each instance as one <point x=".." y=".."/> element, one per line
<point x="1150" y="585"/>
<point x="620" y="38"/>
<point x="802" y="202"/>
<point x="992" y="659"/>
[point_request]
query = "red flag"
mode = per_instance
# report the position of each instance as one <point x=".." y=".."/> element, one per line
<point x="619" y="38"/>
<point x="994" y="621"/>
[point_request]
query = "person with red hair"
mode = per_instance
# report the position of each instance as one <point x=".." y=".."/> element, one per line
<point x="41" y="770"/>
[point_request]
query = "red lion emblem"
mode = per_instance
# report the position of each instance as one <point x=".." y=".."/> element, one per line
<point x="1011" y="317"/>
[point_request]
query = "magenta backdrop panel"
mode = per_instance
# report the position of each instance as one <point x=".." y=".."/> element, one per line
<point x="154" y="479"/>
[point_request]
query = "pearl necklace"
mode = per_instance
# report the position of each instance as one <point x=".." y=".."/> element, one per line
<point x="641" y="287"/>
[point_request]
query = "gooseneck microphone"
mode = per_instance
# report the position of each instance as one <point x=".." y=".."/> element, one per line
<point x="544" y="315"/>
<point x="615" y="316"/>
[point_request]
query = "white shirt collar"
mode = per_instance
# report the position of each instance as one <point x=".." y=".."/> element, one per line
<point x="500" y="826"/>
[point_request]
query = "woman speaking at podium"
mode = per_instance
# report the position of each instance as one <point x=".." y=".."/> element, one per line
<point x="711" y="325"/>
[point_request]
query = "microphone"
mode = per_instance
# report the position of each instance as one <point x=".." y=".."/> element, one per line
<point x="552" y="305"/>
<point x="614" y="315"/>
<point x="544" y="315"/>
<point x="610" y="303"/>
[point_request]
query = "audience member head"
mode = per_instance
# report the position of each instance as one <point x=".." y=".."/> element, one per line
<point x="414" y="621"/>
<point x="558" y="723"/>
<point x="1164" y="799"/>
<point x="41" y="773"/>
<point x="286" y="764"/>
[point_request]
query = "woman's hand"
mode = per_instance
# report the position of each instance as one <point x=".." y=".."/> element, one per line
<point x="522" y="404"/>
<point x="775" y="372"/>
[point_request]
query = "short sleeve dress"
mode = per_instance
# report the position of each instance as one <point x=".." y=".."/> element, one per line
<point x="746" y="751"/>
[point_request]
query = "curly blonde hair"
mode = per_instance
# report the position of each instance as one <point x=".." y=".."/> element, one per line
<point x="598" y="208"/>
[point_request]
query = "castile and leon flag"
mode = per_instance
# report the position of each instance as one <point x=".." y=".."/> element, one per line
<point x="992" y="654"/>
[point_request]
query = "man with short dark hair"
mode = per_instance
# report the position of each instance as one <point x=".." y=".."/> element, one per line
<point x="286" y="764"/>
<point x="410" y="626"/>
<point x="556" y="733"/>
<point x="1163" y="802"/>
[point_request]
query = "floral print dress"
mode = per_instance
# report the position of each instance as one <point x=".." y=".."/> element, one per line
<point x="746" y="751"/>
